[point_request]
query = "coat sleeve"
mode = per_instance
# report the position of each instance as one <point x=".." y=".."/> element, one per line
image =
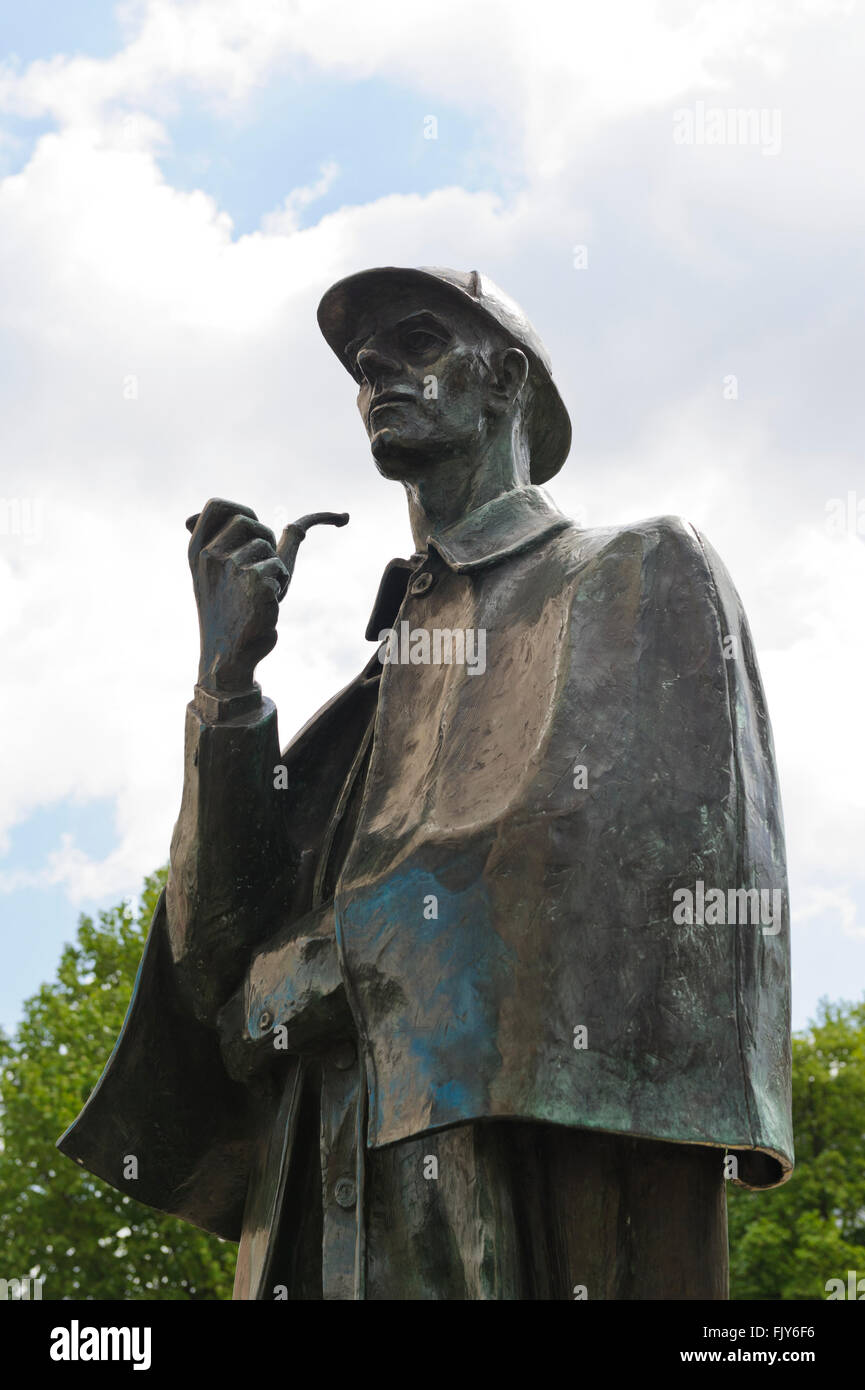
<point x="233" y="863"/>
<point x="244" y="853"/>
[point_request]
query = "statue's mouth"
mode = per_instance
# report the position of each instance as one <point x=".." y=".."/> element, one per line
<point x="391" y="398"/>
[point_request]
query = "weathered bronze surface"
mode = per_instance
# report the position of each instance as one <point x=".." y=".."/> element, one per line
<point x="421" y="1013"/>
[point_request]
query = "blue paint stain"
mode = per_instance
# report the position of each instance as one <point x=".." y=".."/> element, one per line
<point x="428" y="989"/>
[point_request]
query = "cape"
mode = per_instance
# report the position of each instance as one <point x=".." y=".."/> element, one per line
<point x="508" y="915"/>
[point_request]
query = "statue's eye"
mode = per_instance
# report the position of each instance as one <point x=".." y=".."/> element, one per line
<point x="421" y="340"/>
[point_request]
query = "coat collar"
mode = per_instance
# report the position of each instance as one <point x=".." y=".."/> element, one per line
<point x="513" y="522"/>
<point x="508" y="525"/>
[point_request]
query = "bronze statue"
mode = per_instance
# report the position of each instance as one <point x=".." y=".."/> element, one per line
<point x="480" y="988"/>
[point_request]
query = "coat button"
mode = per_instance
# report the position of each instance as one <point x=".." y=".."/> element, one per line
<point x="421" y="584"/>
<point x="345" y="1192"/>
<point x="344" y="1055"/>
<point x="265" y="1020"/>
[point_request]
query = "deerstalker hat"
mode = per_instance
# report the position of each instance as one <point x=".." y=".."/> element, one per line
<point x="549" y="424"/>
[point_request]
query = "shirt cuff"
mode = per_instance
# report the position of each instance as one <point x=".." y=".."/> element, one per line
<point x="217" y="709"/>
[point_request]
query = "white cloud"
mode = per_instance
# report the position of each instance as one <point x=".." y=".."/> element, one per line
<point x="287" y="219"/>
<point x="111" y="278"/>
<point x="554" y="71"/>
<point x="814" y="689"/>
<point x="820" y="903"/>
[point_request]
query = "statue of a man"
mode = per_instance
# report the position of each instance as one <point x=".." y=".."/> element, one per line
<point x="480" y="988"/>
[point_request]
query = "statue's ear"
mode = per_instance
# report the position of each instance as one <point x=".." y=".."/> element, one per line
<point x="510" y="373"/>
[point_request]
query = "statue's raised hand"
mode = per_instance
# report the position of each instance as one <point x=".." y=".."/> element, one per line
<point x="240" y="575"/>
<point x="239" y="580"/>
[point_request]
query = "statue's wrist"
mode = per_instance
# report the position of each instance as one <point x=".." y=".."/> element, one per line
<point x="217" y="706"/>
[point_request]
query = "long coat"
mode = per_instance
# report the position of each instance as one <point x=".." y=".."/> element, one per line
<point x="471" y="868"/>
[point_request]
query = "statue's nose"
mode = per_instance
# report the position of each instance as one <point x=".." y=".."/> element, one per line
<point x="376" y="365"/>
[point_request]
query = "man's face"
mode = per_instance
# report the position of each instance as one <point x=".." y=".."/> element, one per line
<point x="424" y="385"/>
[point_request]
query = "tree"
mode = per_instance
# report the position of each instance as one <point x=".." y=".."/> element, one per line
<point x="786" y="1243"/>
<point x="56" y="1219"/>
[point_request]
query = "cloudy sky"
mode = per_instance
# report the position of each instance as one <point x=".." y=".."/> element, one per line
<point x="180" y="180"/>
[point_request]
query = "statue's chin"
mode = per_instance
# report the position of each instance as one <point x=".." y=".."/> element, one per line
<point x="395" y="456"/>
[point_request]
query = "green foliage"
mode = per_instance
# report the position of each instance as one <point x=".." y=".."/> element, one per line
<point x="786" y="1243"/>
<point x="56" y="1220"/>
